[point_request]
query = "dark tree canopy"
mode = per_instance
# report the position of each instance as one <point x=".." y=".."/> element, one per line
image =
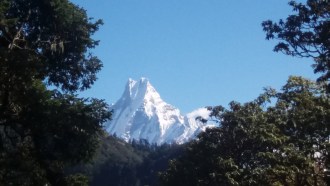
<point x="305" y="34"/>
<point x="55" y="35"/>
<point x="285" y="143"/>
<point x="46" y="42"/>
<point x="282" y="143"/>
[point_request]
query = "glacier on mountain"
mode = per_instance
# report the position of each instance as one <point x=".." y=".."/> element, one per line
<point x="141" y="114"/>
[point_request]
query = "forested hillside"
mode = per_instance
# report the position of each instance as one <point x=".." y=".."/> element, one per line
<point x="118" y="163"/>
<point x="51" y="137"/>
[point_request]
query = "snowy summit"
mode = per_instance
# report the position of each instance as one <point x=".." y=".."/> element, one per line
<point x="142" y="114"/>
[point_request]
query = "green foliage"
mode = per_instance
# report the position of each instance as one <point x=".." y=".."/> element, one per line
<point x="55" y="35"/>
<point x="43" y="131"/>
<point x="284" y="143"/>
<point x="305" y="34"/>
<point x="77" y="180"/>
<point x="127" y="164"/>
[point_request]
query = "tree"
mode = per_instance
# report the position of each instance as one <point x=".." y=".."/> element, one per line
<point x="44" y="131"/>
<point x="284" y="143"/>
<point x="305" y="34"/>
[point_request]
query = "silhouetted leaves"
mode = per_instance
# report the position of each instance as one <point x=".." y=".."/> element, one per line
<point x="305" y="34"/>
<point x="43" y="131"/>
<point x="283" y="143"/>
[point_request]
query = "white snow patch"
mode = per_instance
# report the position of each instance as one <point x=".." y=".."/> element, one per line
<point x="141" y="114"/>
<point x="201" y="112"/>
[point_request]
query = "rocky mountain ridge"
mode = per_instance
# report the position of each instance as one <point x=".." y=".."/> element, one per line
<point x="141" y="113"/>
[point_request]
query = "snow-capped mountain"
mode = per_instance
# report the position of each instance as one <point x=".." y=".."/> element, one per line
<point x="141" y="114"/>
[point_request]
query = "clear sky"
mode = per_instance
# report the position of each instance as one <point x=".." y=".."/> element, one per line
<point x="194" y="52"/>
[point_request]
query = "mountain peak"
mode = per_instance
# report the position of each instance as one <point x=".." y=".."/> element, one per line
<point x="139" y="89"/>
<point x="141" y="114"/>
<point x="142" y="80"/>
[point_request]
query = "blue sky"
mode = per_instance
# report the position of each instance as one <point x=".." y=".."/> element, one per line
<point x="194" y="52"/>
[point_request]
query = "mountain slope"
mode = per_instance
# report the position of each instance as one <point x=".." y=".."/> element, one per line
<point x="141" y="114"/>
